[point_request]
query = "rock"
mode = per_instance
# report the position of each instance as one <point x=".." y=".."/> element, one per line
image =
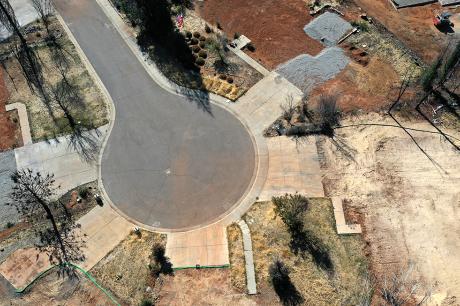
<point x="148" y="289"/>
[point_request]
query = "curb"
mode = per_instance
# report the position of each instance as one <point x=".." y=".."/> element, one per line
<point x="248" y="257"/>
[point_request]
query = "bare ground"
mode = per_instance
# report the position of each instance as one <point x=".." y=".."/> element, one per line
<point x="410" y="201"/>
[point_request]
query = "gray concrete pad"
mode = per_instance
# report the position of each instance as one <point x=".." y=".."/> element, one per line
<point x="328" y="28"/>
<point x="306" y="71"/>
<point x="170" y="162"/>
<point x="25" y="14"/>
<point x="8" y="213"/>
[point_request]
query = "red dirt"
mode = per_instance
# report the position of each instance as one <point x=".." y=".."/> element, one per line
<point x="368" y="87"/>
<point x="275" y="27"/>
<point x="9" y="130"/>
<point x="413" y="26"/>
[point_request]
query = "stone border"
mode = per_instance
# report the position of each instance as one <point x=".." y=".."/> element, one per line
<point x="342" y="227"/>
<point x="260" y="170"/>
<point x="23" y="121"/>
<point x="248" y="257"/>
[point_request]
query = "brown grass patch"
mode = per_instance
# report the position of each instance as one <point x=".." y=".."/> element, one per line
<point x="271" y="240"/>
<point x="125" y="270"/>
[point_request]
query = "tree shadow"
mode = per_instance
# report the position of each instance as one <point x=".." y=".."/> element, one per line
<point x="86" y="142"/>
<point x="169" y="49"/>
<point x="303" y="242"/>
<point x="282" y="283"/>
<point x="162" y="263"/>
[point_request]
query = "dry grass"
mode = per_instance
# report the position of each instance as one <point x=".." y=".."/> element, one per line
<point x="271" y="239"/>
<point x="387" y="49"/>
<point x="125" y="271"/>
<point x="236" y="253"/>
<point x="93" y="112"/>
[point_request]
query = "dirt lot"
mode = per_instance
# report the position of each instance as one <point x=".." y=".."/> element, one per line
<point x="275" y="27"/>
<point x="413" y="26"/>
<point x="271" y="240"/>
<point x="91" y="112"/>
<point x="125" y="270"/>
<point x="410" y="202"/>
<point x="202" y="287"/>
<point x="10" y="131"/>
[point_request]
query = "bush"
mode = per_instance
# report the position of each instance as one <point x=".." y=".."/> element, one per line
<point x="200" y="61"/>
<point x="207" y="29"/>
<point x="202" y="38"/>
<point x="196" y="34"/>
<point x="291" y="208"/>
<point x="361" y="24"/>
<point x="188" y="34"/>
<point x="230" y="80"/>
<point x="83" y="192"/>
<point x="222" y="77"/>
<point x="203" y="54"/>
<point x="328" y="114"/>
<point x="236" y="35"/>
<point x="146" y="302"/>
<point x="202" y="45"/>
<point x="194" y="41"/>
<point x="9" y="224"/>
<point x="196" y="49"/>
<point x="251" y="47"/>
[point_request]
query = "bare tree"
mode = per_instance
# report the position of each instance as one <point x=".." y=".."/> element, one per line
<point x="44" y="9"/>
<point x="25" y="55"/>
<point x="31" y="195"/>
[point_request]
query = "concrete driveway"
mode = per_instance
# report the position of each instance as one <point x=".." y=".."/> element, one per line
<point x="168" y="163"/>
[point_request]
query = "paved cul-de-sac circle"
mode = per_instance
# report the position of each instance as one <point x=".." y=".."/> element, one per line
<point x="169" y="162"/>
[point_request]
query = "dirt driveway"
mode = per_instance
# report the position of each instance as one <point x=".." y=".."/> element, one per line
<point x="275" y="27"/>
<point x="410" y="204"/>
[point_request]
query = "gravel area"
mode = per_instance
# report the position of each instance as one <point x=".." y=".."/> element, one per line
<point x="305" y="71"/>
<point x="7" y="212"/>
<point x="328" y="28"/>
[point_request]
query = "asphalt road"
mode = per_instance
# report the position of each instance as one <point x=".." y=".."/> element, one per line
<point x="167" y="163"/>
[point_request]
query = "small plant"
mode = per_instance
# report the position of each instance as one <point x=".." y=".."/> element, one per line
<point x="200" y="61"/>
<point x="207" y="29"/>
<point x="250" y="46"/>
<point x="236" y="35"/>
<point x="196" y="49"/>
<point x="222" y="77"/>
<point x="196" y="34"/>
<point x="202" y="38"/>
<point x="230" y="80"/>
<point x="9" y="224"/>
<point x="188" y="34"/>
<point x="203" y="54"/>
<point x="202" y="45"/>
<point x="194" y="41"/>
<point x="219" y="26"/>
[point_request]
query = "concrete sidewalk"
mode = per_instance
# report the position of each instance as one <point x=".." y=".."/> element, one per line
<point x="102" y="229"/>
<point x="293" y="167"/>
<point x="56" y="157"/>
<point x="205" y="247"/>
